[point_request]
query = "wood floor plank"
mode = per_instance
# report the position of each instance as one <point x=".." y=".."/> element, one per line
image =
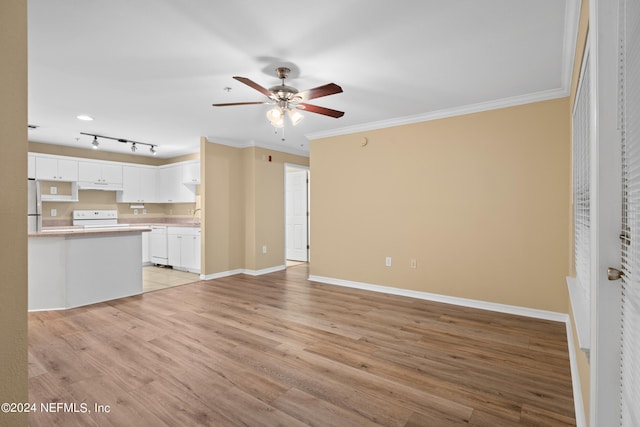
<point x="279" y="349"/>
<point x="317" y="412"/>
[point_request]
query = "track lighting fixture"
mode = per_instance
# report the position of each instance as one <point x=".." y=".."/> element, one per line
<point x="134" y="144"/>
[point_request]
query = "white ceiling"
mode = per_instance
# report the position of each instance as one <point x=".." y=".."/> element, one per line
<point x="149" y="70"/>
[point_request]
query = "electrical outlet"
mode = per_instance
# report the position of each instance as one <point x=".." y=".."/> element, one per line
<point x="414" y="263"/>
<point x="144" y="211"/>
<point x="387" y="261"/>
<point x="135" y="211"/>
<point x="54" y="212"/>
<point x="264" y="249"/>
<point x="54" y="190"/>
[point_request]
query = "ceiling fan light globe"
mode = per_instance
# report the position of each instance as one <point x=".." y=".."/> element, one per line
<point x="277" y="123"/>
<point x="274" y="114"/>
<point x="295" y="116"/>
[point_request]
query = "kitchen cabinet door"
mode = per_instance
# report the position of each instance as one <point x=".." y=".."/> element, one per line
<point x="174" y="250"/>
<point x="191" y="253"/>
<point x="146" y="252"/>
<point x="130" y="185"/>
<point x="147" y="189"/>
<point x="46" y="168"/>
<point x="111" y="174"/>
<point x="167" y="177"/>
<point x="191" y="173"/>
<point x="171" y="189"/>
<point x="52" y="169"/>
<point x="68" y="170"/>
<point x="89" y="172"/>
<point x="99" y="172"/>
<point x="138" y="185"/>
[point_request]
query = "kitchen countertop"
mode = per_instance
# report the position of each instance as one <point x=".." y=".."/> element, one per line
<point x="120" y="228"/>
<point x="81" y="231"/>
<point x="169" y="224"/>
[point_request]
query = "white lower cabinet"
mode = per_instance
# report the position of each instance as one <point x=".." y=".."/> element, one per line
<point x="146" y="253"/>
<point x="183" y="248"/>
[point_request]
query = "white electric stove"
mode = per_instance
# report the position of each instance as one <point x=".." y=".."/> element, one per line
<point x="96" y="218"/>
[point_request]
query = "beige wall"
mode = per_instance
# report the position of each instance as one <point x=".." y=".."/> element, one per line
<point x="95" y="199"/>
<point x="222" y="188"/>
<point x="480" y="201"/>
<point x="13" y="219"/>
<point x="243" y="197"/>
<point x="267" y="211"/>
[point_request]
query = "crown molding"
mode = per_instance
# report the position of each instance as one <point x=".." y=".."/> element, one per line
<point x="571" y="24"/>
<point x="442" y="114"/>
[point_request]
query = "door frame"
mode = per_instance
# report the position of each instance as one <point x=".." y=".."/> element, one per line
<point x="308" y="170"/>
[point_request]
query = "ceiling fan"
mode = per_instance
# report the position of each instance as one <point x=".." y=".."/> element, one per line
<point x="288" y="99"/>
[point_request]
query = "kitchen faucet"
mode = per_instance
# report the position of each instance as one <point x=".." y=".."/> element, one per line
<point x="194" y="214"/>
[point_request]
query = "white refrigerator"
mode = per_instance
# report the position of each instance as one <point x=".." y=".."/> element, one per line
<point x="34" y="206"/>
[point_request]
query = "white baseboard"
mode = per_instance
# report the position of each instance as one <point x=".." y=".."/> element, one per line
<point x="484" y="305"/>
<point x="465" y="302"/>
<point x="242" y="271"/>
<point x="578" y="403"/>
<point x="265" y="270"/>
<point x="221" y="274"/>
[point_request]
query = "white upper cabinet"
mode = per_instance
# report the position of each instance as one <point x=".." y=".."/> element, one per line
<point x="172" y="183"/>
<point x="96" y="175"/>
<point x="54" y="169"/>
<point x="138" y="185"/>
<point x="191" y="173"/>
<point x="171" y="189"/>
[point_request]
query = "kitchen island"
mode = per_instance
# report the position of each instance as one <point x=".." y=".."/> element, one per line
<point x="74" y="266"/>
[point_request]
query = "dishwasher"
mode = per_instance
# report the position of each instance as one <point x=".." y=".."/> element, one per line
<point x="158" y="244"/>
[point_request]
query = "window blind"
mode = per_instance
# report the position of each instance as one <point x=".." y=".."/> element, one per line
<point x="629" y="116"/>
<point x="581" y="177"/>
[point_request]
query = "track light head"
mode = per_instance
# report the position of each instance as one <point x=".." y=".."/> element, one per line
<point x="133" y="147"/>
<point x="153" y="150"/>
<point x="95" y="142"/>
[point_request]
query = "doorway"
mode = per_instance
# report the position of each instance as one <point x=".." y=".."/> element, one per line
<point x="296" y="214"/>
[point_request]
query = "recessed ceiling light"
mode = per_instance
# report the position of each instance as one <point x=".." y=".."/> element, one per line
<point x="84" y="117"/>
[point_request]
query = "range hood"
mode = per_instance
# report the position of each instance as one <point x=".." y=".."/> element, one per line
<point x="104" y="186"/>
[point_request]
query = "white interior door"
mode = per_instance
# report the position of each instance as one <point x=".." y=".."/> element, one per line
<point x="606" y="212"/>
<point x="297" y="218"/>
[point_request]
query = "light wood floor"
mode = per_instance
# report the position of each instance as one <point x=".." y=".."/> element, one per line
<point x="277" y="350"/>
<point x="154" y="278"/>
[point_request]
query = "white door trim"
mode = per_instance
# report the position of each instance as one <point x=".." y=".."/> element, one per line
<point x="308" y="222"/>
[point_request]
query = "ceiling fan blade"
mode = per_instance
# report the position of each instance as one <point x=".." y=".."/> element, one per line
<point x="239" y="103"/>
<point x="317" y="92"/>
<point x="254" y="85"/>
<point x="320" y="110"/>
